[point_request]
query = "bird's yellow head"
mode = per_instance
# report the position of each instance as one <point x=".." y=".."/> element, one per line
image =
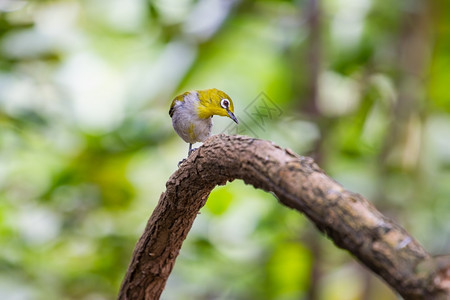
<point x="215" y="102"/>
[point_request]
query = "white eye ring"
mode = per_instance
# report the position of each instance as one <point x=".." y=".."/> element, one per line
<point x="225" y="103"/>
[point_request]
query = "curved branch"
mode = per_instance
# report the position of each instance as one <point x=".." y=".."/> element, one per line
<point x="347" y="218"/>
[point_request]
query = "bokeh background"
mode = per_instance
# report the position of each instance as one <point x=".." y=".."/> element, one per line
<point x="86" y="143"/>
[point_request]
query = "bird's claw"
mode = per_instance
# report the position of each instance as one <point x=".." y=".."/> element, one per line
<point x="181" y="161"/>
<point x="192" y="150"/>
<point x="184" y="159"/>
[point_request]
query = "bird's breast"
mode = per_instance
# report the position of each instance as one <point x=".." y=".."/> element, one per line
<point x="190" y="127"/>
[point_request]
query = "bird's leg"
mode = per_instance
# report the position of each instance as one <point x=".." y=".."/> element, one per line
<point x="191" y="149"/>
<point x="189" y="153"/>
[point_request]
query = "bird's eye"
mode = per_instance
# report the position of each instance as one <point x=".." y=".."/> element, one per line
<point x="225" y="103"/>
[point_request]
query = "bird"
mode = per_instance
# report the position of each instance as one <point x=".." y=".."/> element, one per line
<point x="192" y="113"/>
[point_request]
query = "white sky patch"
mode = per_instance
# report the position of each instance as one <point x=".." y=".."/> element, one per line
<point x="15" y="92"/>
<point x="206" y="17"/>
<point x="11" y="5"/>
<point x="12" y="289"/>
<point x="57" y="18"/>
<point x="25" y="43"/>
<point x="348" y="22"/>
<point x="38" y="225"/>
<point x="173" y="11"/>
<point x="338" y="95"/>
<point x="159" y="78"/>
<point x="122" y="15"/>
<point x="55" y="28"/>
<point x="96" y="91"/>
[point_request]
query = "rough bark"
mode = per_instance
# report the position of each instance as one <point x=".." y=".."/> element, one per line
<point x="347" y="218"/>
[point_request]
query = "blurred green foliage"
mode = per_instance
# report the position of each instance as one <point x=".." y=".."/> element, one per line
<point x="86" y="143"/>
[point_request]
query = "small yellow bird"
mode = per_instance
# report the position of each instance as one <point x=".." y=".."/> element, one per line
<point x="192" y="113"/>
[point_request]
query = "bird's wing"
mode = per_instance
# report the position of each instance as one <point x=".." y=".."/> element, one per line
<point x="177" y="98"/>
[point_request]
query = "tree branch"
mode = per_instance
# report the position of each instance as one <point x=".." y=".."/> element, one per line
<point x="347" y="218"/>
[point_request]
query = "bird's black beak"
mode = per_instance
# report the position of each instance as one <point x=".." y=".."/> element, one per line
<point x="232" y="116"/>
